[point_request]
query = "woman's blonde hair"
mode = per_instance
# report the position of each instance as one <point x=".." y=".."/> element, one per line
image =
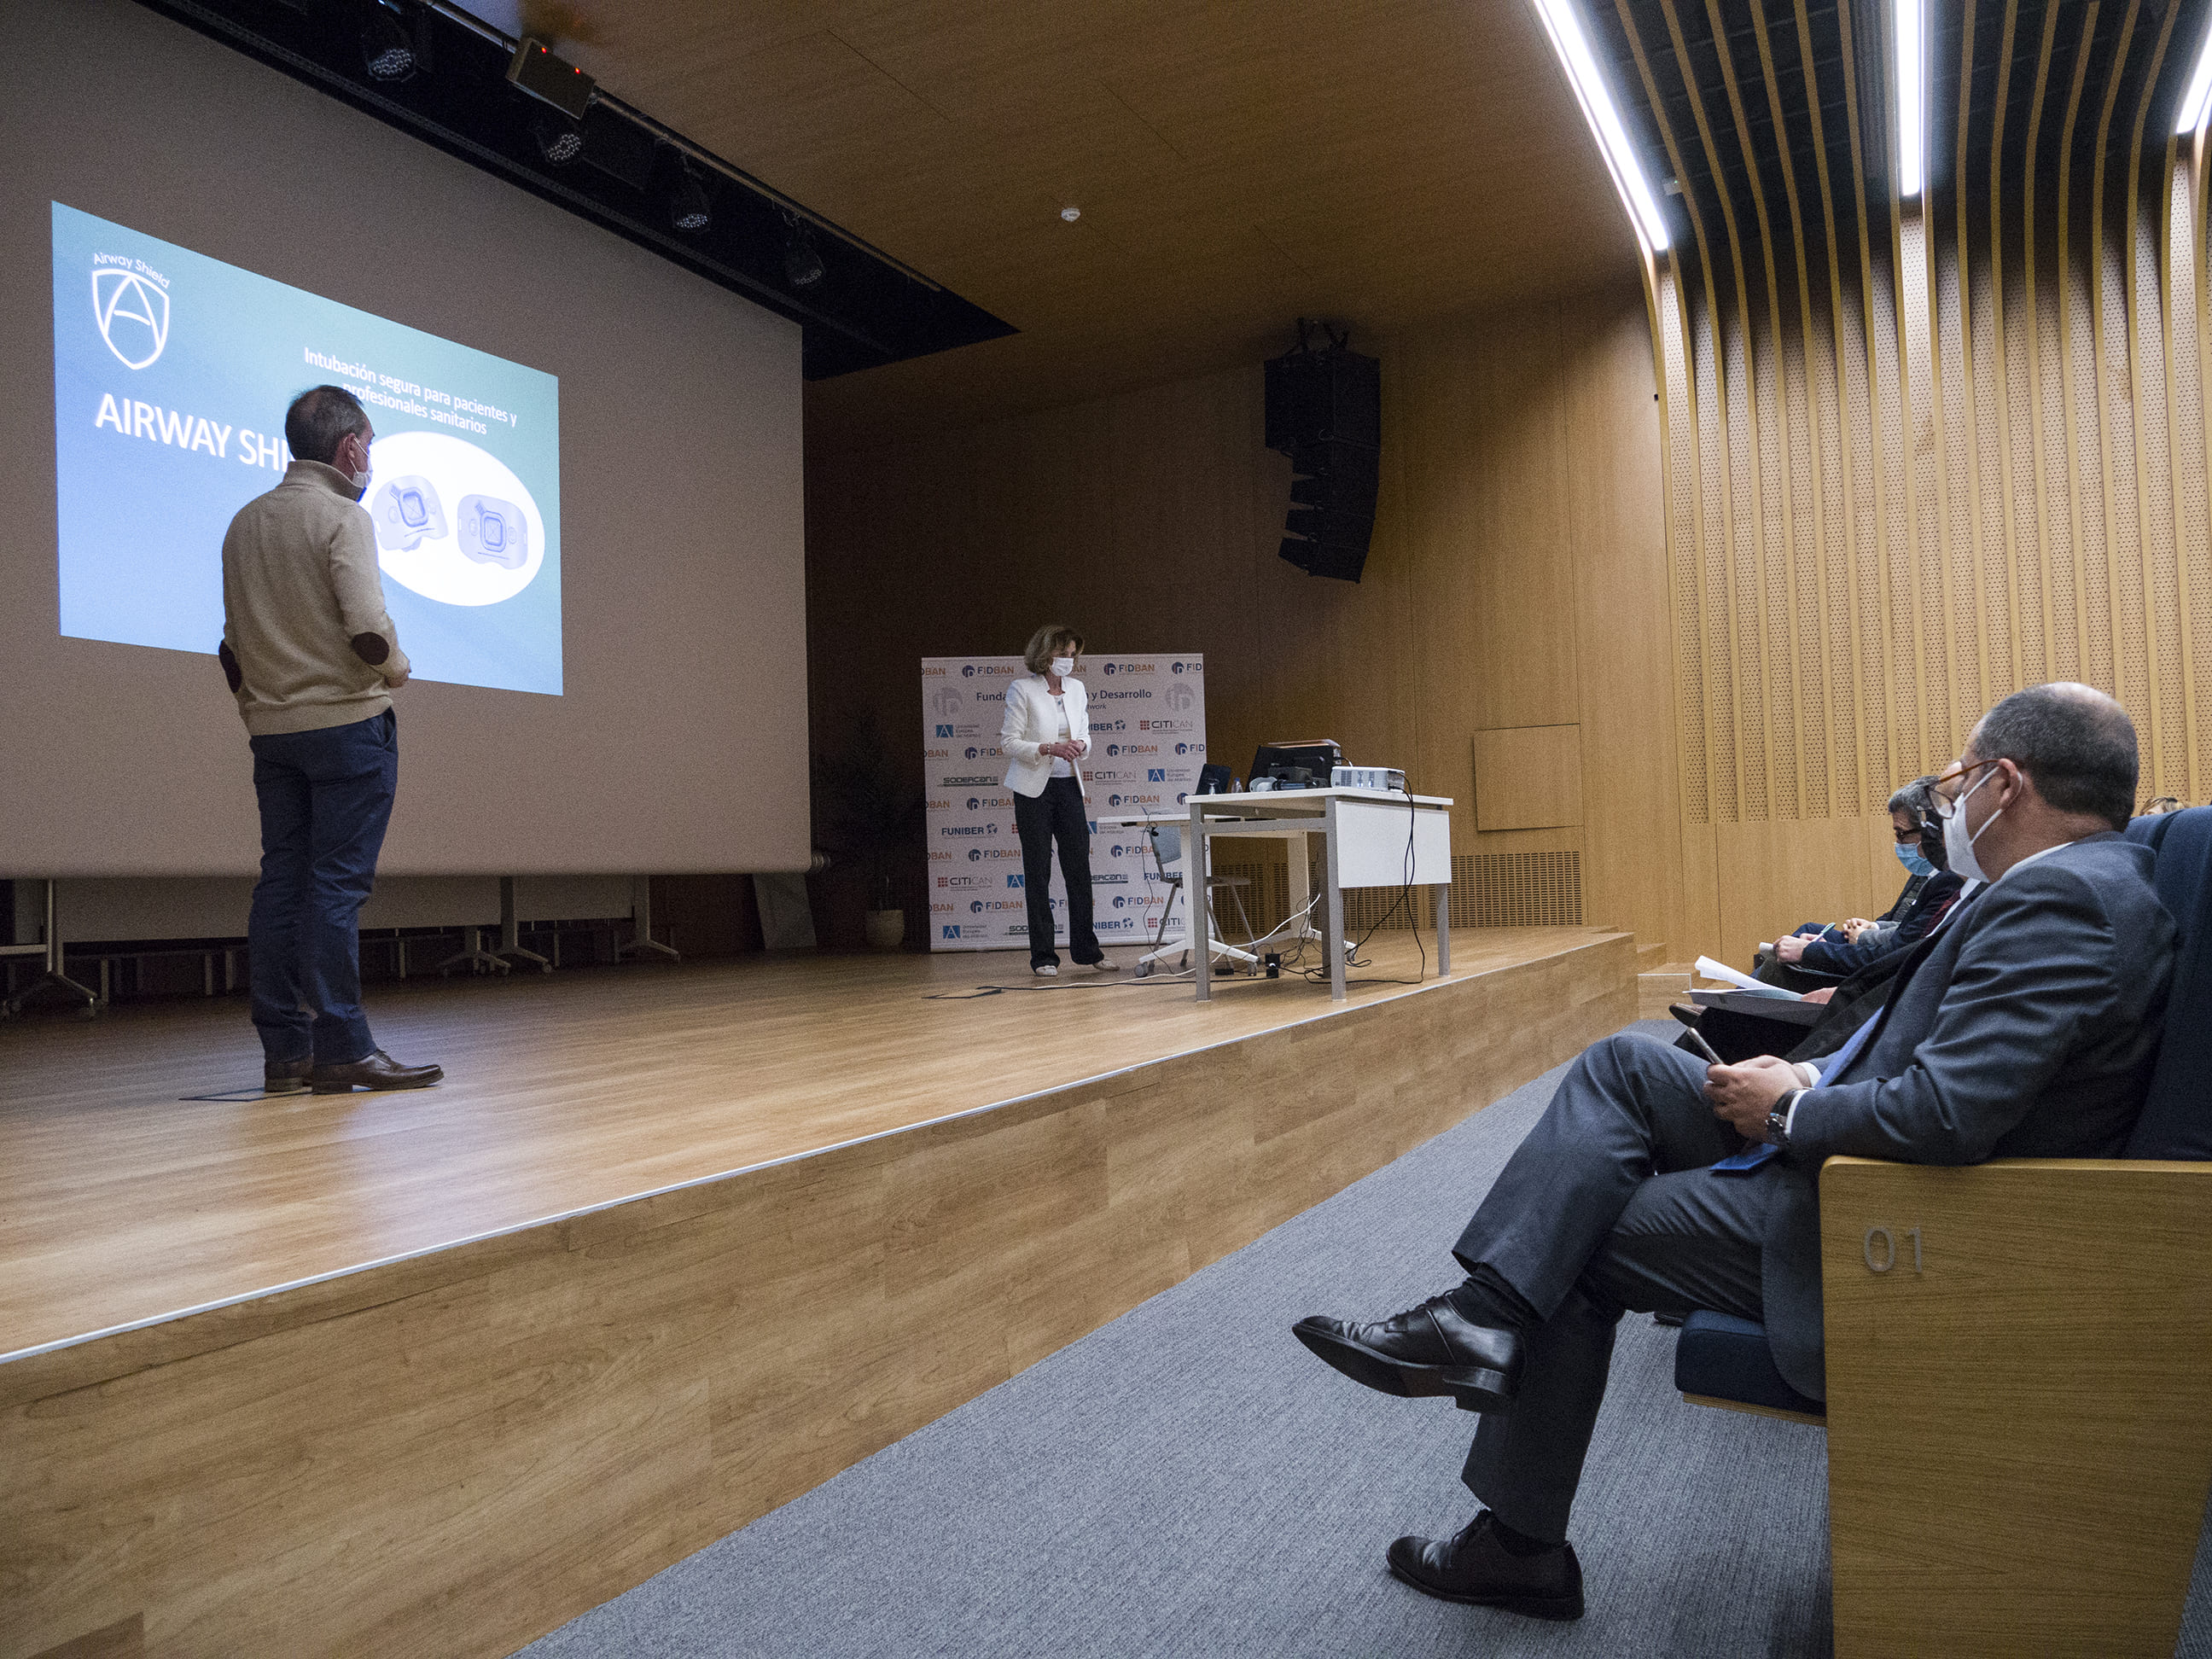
<point x="1044" y="645"/>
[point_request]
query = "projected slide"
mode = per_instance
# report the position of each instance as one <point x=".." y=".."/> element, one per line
<point x="172" y="372"/>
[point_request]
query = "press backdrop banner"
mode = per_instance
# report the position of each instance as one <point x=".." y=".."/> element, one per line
<point x="1147" y="742"/>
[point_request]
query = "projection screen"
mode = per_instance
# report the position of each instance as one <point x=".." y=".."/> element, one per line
<point x="586" y="486"/>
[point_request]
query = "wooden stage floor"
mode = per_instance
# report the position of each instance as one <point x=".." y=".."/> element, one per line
<point x="121" y="1201"/>
<point x="436" y="1372"/>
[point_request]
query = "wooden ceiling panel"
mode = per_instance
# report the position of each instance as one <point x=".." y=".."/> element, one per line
<point x="1237" y="165"/>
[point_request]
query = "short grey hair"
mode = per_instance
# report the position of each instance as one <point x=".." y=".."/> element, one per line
<point x="320" y="419"/>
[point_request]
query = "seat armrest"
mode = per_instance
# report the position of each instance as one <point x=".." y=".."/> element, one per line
<point x="2019" y="1400"/>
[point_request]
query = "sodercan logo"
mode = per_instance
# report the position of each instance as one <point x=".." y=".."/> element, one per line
<point x="132" y="308"/>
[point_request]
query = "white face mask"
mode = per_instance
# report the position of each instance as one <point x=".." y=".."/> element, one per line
<point x="1063" y="667"/>
<point x="1958" y="845"/>
<point x="358" y="481"/>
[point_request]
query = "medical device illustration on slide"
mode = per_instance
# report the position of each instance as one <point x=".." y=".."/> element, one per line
<point x="493" y="532"/>
<point x="406" y="510"/>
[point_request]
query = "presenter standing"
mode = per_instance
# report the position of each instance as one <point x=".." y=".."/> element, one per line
<point x="1045" y="735"/>
<point x="313" y="659"/>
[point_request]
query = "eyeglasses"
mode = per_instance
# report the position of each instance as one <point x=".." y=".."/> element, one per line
<point x="1947" y="799"/>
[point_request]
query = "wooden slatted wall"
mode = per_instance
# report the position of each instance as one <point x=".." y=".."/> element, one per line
<point x="1921" y="453"/>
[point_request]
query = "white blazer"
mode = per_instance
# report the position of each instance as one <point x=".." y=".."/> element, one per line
<point x="1032" y="718"/>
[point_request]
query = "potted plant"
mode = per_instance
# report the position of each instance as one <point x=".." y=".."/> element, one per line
<point x="869" y="815"/>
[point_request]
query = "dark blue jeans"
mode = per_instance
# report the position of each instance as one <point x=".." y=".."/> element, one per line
<point x="325" y="798"/>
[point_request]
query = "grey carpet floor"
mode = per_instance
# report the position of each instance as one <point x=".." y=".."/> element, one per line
<point x="1186" y="1482"/>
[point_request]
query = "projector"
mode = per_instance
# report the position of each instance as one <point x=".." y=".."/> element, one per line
<point x="1367" y="777"/>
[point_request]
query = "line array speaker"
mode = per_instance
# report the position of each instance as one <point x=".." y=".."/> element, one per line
<point x="1325" y="412"/>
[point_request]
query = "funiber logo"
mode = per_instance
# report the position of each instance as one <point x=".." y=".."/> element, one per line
<point x="131" y="304"/>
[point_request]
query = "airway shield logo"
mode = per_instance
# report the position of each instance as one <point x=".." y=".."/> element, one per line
<point x="132" y="311"/>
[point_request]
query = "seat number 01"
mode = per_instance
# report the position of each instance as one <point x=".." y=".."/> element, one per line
<point x="1881" y="1248"/>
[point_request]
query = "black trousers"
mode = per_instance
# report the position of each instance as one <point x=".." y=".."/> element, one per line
<point x="1057" y="814"/>
<point x="1607" y="1206"/>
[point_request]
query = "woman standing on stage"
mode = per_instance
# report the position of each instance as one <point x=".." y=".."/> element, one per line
<point x="1046" y="732"/>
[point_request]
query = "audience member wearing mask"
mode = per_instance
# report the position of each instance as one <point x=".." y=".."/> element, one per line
<point x="1045" y="735"/>
<point x="1805" y="963"/>
<point x="2028" y="1027"/>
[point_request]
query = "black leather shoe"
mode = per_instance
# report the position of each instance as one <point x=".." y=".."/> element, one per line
<point x="285" y="1077"/>
<point x="378" y="1070"/>
<point x="1428" y="1350"/>
<point x="1475" y="1568"/>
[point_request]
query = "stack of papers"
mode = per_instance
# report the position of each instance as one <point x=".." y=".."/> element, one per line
<point x="1708" y="968"/>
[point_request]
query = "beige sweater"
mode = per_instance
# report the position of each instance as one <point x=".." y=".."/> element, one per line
<point x="299" y="580"/>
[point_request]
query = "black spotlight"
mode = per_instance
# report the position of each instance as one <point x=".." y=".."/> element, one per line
<point x="387" y="48"/>
<point x="802" y="260"/>
<point x="560" y="140"/>
<point x="689" y="210"/>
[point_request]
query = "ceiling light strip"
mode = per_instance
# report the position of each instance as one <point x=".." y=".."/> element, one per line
<point x="1909" y="30"/>
<point x="1572" y="46"/>
<point x="2200" y="90"/>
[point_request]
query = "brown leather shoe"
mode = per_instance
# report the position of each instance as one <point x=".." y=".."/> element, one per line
<point x="285" y="1077"/>
<point x="378" y="1070"/>
<point x="1474" y="1568"/>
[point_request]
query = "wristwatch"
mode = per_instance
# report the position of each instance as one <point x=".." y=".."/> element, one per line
<point x="1777" y="1121"/>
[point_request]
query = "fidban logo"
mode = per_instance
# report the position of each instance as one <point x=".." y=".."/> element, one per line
<point x="132" y="311"/>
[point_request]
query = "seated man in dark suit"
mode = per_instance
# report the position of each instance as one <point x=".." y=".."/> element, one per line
<point x="2027" y="1028"/>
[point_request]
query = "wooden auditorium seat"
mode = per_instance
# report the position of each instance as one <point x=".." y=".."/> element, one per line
<point x="2019" y="1364"/>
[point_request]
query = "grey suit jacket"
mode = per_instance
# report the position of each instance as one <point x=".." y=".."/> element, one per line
<point x="2028" y="1028"/>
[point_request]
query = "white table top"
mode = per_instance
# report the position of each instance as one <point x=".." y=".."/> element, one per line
<point x="1303" y="802"/>
<point x="1267" y="804"/>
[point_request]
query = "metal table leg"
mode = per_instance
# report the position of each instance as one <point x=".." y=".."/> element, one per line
<point x="55" y="974"/>
<point x="474" y="956"/>
<point x="1194" y="908"/>
<point x="640" y="910"/>
<point x="510" y="938"/>
<point x="1443" y="928"/>
<point x="1334" y="943"/>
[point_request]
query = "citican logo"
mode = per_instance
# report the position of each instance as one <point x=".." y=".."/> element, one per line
<point x="133" y="315"/>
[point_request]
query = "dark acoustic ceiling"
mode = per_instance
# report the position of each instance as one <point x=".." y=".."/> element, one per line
<point x="1774" y="120"/>
<point x="859" y="307"/>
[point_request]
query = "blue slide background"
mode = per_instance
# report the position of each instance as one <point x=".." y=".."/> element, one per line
<point x="142" y="520"/>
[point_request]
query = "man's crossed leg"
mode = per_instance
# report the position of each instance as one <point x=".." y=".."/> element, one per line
<point x="1609" y="1206"/>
